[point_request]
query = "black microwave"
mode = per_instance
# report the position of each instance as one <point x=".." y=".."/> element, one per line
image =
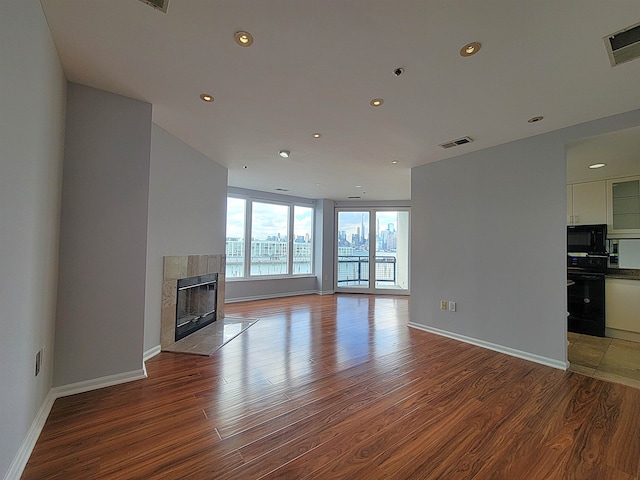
<point x="587" y="239"/>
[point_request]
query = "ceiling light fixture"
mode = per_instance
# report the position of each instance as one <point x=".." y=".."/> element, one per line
<point x="284" y="153"/>
<point x="205" y="97"/>
<point x="598" y="165"/>
<point x="244" y="39"/>
<point x="317" y="135"/>
<point x="395" y="162"/>
<point x="376" y="102"/>
<point x="534" y="119"/>
<point x="470" y="49"/>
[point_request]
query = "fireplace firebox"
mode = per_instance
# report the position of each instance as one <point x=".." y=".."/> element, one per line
<point x="196" y="303"/>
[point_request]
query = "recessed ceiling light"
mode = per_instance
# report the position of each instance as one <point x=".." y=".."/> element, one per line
<point x="598" y="165"/>
<point x="376" y="102"/>
<point x="534" y="119"/>
<point x="244" y="39"/>
<point x="244" y="166"/>
<point x="205" y="97"/>
<point x="470" y="49"/>
<point x="284" y="153"/>
<point x="317" y="135"/>
<point x="358" y="186"/>
<point x="395" y="162"/>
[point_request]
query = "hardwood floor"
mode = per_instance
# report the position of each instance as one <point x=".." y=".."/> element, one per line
<point x="332" y="387"/>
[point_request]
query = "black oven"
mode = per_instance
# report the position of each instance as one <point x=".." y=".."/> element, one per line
<point x="586" y="294"/>
<point x="587" y="239"/>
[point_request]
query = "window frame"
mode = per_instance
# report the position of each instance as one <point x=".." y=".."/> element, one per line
<point x="248" y="226"/>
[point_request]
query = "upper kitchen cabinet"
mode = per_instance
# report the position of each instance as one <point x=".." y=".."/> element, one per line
<point x="623" y="212"/>
<point x="587" y="203"/>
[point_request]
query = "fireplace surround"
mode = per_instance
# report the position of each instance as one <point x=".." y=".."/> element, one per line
<point x="189" y="271"/>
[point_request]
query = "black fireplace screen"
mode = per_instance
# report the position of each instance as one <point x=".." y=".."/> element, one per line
<point x="196" y="305"/>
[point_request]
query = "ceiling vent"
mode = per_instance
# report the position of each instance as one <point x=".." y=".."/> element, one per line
<point x="161" y="5"/>
<point x="456" y="142"/>
<point x="623" y="46"/>
<point x="282" y="189"/>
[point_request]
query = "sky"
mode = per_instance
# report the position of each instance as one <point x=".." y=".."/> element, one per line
<point x="271" y="219"/>
<point x="267" y="219"/>
<point x="350" y="221"/>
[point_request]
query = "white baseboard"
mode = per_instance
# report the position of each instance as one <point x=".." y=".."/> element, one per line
<point x="96" y="383"/>
<point x="152" y="352"/>
<point x="270" y="296"/>
<point x="24" y="452"/>
<point x="549" y="362"/>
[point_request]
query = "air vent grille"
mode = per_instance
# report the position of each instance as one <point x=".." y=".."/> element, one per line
<point x="353" y="198"/>
<point x="161" y="5"/>
<point x="282" y="189"/>
<point x="623" y="46"/>
<point x="456" y="142"/>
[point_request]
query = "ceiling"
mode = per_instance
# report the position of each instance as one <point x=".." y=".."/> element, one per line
<point x="619" y="151"/>
<point x="316" y="64"/>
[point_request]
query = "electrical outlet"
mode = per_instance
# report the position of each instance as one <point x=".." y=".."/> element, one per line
<point x="443" y="305"/>
<point x="38" y="362"/>
<point x="452" y="306"/>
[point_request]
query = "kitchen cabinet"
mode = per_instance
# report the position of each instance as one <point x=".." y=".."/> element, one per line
<point x="587" y="203"/>
<point x="623" y="304"/>
<point x="623" y="210"/>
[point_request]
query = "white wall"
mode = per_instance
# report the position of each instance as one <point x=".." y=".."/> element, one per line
<point x="103" y="236"/>
<point x="32" y="99"/>
<point x="489" y="232"/>
<point x="187" y="214"/>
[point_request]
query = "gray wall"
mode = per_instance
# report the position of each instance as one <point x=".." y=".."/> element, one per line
<point x="324" y="251"/>
<point x="103" y="236"/>
<point x="489" y="232"/>
<point x="32" y="99"/>
<point x="187" y="214"/>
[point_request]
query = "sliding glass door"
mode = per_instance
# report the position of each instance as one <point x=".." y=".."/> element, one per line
<point x="372" y="250"/>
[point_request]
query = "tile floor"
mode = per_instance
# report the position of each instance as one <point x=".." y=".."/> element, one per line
<point x="606" y="358"/>
<point x="210" y="338"/>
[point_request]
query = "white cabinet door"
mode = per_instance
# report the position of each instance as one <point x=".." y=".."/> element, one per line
<point x="569" y="204"/>
<point x="623" y="215"/>
<point x="589" y="203"/>
<point x="623" y="304"/>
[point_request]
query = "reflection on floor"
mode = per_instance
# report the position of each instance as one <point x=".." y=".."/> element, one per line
<point x="605" y="358"/>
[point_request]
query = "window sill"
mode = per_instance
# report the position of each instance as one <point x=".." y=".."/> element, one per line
<point x="278" y="277"/>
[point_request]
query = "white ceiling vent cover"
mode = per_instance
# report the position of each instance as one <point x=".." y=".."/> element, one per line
<point x="623" y="46"/>
<point x="456" y="142"/>
<point x="161" y="5"/>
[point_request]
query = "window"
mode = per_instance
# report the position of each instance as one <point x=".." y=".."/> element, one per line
<point x="281" y="238"/>
<point x="302" y="240"/>
<point x="269" y="239"/>
<point x="235" y="237"/>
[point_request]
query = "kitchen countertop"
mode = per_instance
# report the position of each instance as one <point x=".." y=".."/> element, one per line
<point x="624" y="273"/>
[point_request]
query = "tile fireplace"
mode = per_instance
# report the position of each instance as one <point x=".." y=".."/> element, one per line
<point x="192" y="295"/>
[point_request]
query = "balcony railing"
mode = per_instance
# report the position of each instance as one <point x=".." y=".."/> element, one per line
<point x="354" y="269"/>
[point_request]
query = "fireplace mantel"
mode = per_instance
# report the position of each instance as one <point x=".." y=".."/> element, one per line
<point x="177" y="267"/>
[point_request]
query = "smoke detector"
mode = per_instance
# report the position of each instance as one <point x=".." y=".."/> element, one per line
<point x="456" y="142"/>
<point x="623" y="46"/>
<point x="161" y="5"/>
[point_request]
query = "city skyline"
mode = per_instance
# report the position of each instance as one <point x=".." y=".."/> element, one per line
<point x="268" y="220"/>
